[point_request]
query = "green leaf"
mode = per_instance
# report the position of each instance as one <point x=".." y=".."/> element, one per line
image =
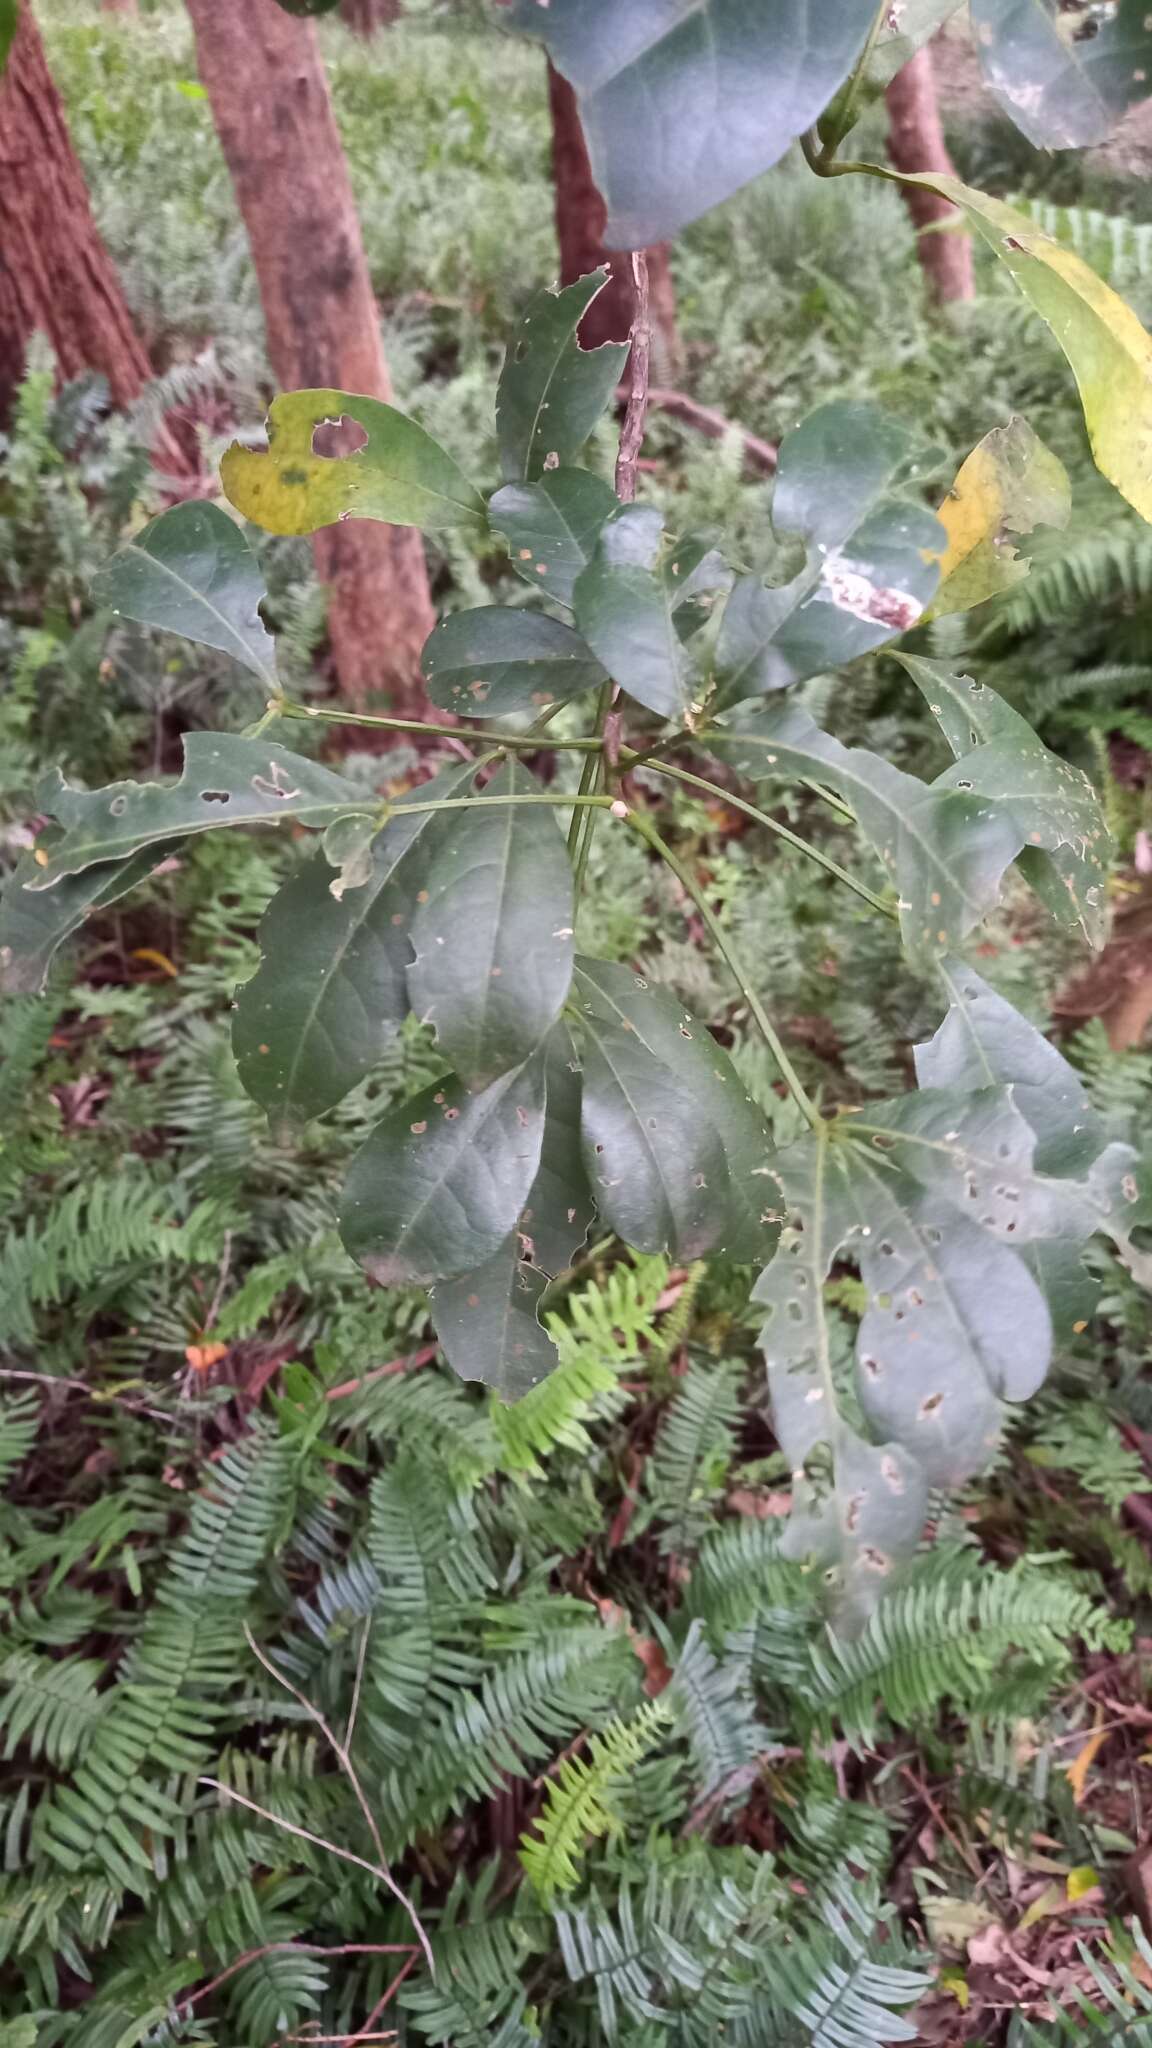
<point x="34" y="923"/>
<point x="551" y="527"/>
<point x="696" y="1064"/>
<point x="191" y="571"/>
<point x="954" y="1324"/>
<point x="1010" y="484"/>
<point x="945" y="850"/>
<point x="1064" y="74"/>
<point x="984" y="1043"/>
<point x="439" y="1185"/>
<point x="493" y="661"/>
<point x="488" y="1320"/>
<point x="227" y="780"/>
<point x="870" y="549"/>
<point x="332" y="986"/>
<point x="1052" y="805"/>
<point x="493" y="936"/>
<point x="488" y="1326"/>
<point x="684" y="101"/>
<point x="1110" y="353"/>
<point x="627" y="612"/>
<point x="551" y="391"/>
<point x="399" y="474"/>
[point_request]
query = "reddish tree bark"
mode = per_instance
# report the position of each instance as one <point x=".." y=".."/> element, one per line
<point x="265" y="80"/>
<point x="916" y="143"/>
<point x="119" y="7"/>
<point x="55" y="273"/>
<point x="366" y="16"/>
<point x="581" y="218"/>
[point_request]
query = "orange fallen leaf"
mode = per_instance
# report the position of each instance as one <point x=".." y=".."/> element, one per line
<point x="202" y="1357"/>
<point x="1078" y="1769"/>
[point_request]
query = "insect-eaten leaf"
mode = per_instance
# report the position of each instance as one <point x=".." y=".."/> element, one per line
<point x="192" y="572"/>
<point x="682" y="104"/>
<point x="1052" y="805"/>
<point x="439" y="1185"/>
<point x="488" y="1320"/>
<point x="492" y="933"/>
<point x="628" y="606"/>
<point x="954" y="1325"/>
<point x="944" y="849"/>
<point x="1010" y="484"/>
<point x="494" y="661"/>
<point x="743" y="1211"/>
<point x="870" y="569"/>
<point x="1109" y="350"/>
<point x="551" y="391"/>
<point x="551" y="526"/>
<point x="398" y="473"/>
<point x="332" y="985"/>
<point x="227" y="780"/>
<point x="34" y="923"/>
<point x="1064" y="73"/>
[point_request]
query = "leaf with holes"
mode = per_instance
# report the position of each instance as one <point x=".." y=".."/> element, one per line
<point x="227" y="780"/>
<point x="34" y="923"/>
<point x="440" y="1183"/>
<point x="870" y="569"/>
<point x="627" y="607"/>
<point x="684" y="101"/>
<point x="551" y="391"/>
<point x="398" y="474"/>
<point x="1065" y="74"/>
<point x="487" y="1320"/>
<point x="494" y="661"/>
<point x="702" y="1068"/>
<point x="945" y="851"/>
<point x="984" y="1043"/>
<point x="332" y="986"/>
<point x="1010" y="484"/>
<point x="552" y="526"/>
<point x="1052" y="805"/>
<point x="492" y="931"/>
<point x="191" y="571"/>
<point x="1110" y="353"/>
<point x="954" y="1325"/>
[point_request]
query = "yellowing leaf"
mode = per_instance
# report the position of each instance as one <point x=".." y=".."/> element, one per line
<point x="1078" y="1769"/>
<point x="398" y="473"/>
<point x="1109" y="350"/>
<point x="1081" y="1881"/>
<point x="1010" y="484"/>
<point x="956" y="1982"/>
<point x="1051" y="1900"/>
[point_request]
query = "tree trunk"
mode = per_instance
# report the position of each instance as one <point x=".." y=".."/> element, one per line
<point x="265" y="80"/>
<point x="581" y="217"/>
<point x="916" y="143"/>
<point x="55" y="273"/>
<point x="366" y="16"/>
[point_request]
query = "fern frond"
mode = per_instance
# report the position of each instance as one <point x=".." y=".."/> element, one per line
<point x="111" y="1224"/>
<point x="49" y="1706"/>
<point x="714" y="1706"/>
<point x="553" y="1414"/>
<point x="579" y="1801"/>
<point x="693" y="1452"/>
<point x="232" y="1520"/>
<point x="19" y="1427"/>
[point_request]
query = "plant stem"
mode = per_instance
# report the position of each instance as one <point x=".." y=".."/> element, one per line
<point x="632" y="432"/>
<point x="558" y="802"/>
<point x="848" y="100"/>
<point x="805" y="846"/>
<point x="768" y="1031"/>
<point x="528" y="742"/>
<point x="581" y="829"/>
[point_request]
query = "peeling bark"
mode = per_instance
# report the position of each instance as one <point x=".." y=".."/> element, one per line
<point x="916" y="143"/>
<point x="56" y="276"/>
<point x="269" y="95"/>
<point x="581" y="217"/>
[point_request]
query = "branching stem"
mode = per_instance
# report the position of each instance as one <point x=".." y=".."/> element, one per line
<point x="767" y="1029"/>
<point x="523" y="742"/>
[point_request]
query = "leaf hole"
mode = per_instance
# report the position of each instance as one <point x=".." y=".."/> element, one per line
<point x="930" y="1406"/>
<point x="333" y="440"/>
<point x="215" y="796"/>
